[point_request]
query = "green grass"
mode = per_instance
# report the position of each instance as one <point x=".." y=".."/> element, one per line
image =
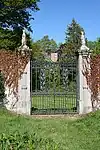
<point x="58" y="102"/>
<point x="80" y="134"/>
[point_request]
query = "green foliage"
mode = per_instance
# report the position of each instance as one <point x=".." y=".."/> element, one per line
<point x="43" y="46"/>
<point x="25" y="141"/>
<point x="37" y="52"/>
<point x="96" y="50"/>
<point x="52" y="78"/>
<point x="14" y="16"/>
<point x="69" y="132"/>
<point x="10" y="40"/>
<point x="94" y="46"/>
<point x="17" y="13"/>
<point x="47" y="45"/>
<point x="91" y="44"/>
<point x="73" y="37"/>
<point x="2" y="89"/>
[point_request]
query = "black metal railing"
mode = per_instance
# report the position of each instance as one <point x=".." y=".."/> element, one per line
<point x="54" y="87"/>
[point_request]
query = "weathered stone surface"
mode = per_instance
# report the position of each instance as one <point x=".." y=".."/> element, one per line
<point x="85" y="104"/>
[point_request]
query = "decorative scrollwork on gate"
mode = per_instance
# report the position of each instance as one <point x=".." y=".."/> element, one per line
<point x="65" y="77"/>
<point x="42" y="79"/>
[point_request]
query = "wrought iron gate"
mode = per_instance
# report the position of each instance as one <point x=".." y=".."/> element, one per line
<point x="54" y="87"/>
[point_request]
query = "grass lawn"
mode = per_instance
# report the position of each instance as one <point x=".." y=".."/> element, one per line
<point x="58" y="103"/>
<point x="80" y="134"/>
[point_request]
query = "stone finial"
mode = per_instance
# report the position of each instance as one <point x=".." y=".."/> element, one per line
<point x="82" y="38"/>
<point x="23" y="38"/>
<point x="83" y="49"/>
<point x="24" y="45"/>
<point x="23" y="48"/>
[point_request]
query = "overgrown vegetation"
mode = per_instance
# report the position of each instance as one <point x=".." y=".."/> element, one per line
<point x="12" y="65"/>
<point x="95" y="81"/>
<point x="26" y="141"/>
<point x="50" y="133"/>
<point x="2" y="89"/>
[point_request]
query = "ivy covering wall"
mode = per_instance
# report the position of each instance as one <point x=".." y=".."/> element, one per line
<point x="2" y="89"/>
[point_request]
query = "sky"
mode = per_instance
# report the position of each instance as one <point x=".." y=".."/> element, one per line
<point x="54" y="16"/>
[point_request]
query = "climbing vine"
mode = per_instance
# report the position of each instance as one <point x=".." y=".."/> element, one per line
<point x="93" y="78"/>
<point x="12" y="65"/>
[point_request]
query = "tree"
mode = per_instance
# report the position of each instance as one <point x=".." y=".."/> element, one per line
<point x="94" y="46"/>
<point x="10" y="40"/>
<point x="42" y="47"/>
<point x="14" y="16"/>
<point x="73" y="36"/>
<point x="17" y="13"/>
<point x="71" y="46"/>
<point x="96" y="50"/>
<point x="37" y="52"/>
<point x="72" y="40"/>
<point x="91" y="44"/>
<point x="47" y="45"/>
